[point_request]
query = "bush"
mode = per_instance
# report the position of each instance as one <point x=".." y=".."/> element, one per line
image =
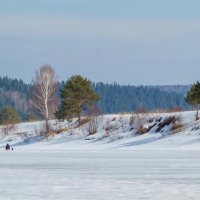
<point x="132" y="119"/>
<point x="60" y="130"/>
<point x="94" y="115"/>
<point x="177" y="126"/>
<point x="82" y="122"/>
<point x="142" y="130"/>
<point x="93" y="125"/>
<point x="9" y="116"/>
<point x="109" y="128"/>
<point x="140" y="120"/>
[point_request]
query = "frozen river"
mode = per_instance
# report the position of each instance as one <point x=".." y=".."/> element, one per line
<point x="100" y="175"/>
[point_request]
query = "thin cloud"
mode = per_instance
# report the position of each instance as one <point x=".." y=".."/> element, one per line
<point x="48" y="27"/>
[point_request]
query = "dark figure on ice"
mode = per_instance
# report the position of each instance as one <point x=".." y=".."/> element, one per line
<point x="7" y="147"/>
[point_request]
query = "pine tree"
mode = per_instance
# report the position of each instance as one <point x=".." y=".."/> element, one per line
<point x="193" y="97"/>
<point x="76" y="94"/>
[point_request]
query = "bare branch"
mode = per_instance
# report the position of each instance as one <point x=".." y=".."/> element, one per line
<point x="45" y="86"/>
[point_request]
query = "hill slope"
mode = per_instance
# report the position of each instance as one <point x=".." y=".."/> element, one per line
<point x="149" y="131"/>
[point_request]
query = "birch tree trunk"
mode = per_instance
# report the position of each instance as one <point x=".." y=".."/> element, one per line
<point x="45" y="86"/>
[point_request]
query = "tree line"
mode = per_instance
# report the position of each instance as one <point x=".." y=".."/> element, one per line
<point x="77" y="94"/>
<point x="116" y="98"/>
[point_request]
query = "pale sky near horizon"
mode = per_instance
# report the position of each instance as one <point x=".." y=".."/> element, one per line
<point x="134" y="42"/>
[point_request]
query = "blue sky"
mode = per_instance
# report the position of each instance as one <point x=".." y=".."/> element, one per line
<point x="129" y="42"/>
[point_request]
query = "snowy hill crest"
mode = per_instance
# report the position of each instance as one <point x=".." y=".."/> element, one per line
<point x="152" y="130"/>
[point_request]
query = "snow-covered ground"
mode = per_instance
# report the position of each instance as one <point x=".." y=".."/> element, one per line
<point x="107" y="174"/>
<point x="147" y="131"/>
<point x="117" y="162"/>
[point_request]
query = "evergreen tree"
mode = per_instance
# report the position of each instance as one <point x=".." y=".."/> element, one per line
<point x="76" y="94"/>
<point x="193" y="97"/>
<point x="9" y="116"/>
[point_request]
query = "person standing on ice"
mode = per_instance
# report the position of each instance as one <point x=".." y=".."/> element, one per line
<point x="7" y="147"/>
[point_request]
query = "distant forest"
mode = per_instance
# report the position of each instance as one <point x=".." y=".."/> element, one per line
<point x="114" y="97"/>
<point x="15" y="93"/>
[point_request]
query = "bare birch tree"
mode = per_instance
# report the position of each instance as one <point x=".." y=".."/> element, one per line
<point x="45" y="86"/>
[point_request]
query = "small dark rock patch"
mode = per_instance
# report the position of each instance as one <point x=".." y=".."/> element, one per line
<point x="166" y="122"/>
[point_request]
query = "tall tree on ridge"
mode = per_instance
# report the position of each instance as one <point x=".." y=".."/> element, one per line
<point x="77" y="92"/>
<point x="45" y="86"/>
<point x="193" y="97"/>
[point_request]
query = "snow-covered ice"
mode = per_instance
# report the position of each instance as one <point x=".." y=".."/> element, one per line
<point x="104" y="174"/>
<point x="113" y="165"/>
